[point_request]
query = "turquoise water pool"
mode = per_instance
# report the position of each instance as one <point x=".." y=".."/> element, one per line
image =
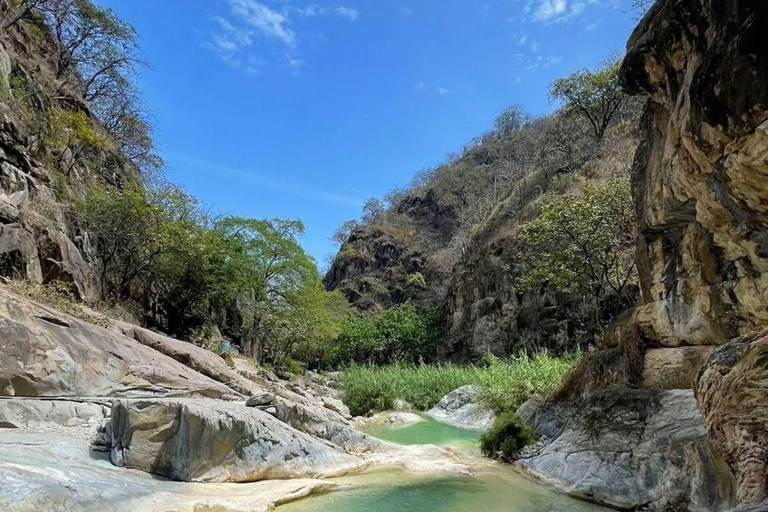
<point x="497" y="489"/>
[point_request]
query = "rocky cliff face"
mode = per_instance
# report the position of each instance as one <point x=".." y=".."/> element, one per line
<point x="701" y="193"/>
<point x="732" y="395"/>
<point x="700" y="175"/>
<point x="483" y="311"/>
<point x="386" y="263"/>
<point x="38" y="240"/>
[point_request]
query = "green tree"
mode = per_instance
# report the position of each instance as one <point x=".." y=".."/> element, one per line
<point x="592" y="95"/>
<point x="512" y="119"/>
<point x="128" y="230"/>
<point x="343" y="232"/>
<point x="582" y="242"/>
<point x="72" y="134"/>
<point x="399" y="334"/>
<point x="263" y="267"/>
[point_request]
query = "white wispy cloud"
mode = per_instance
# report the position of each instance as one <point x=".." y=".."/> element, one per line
<point x="250" y="21"/>
<point x="291" y="188"/>
<point x="422" y="87"/>
<point x="313" y="10"/>
<point x="545" y="61"/>
<point x="263" y="20"/>
<point x="347" y="12"/>
<point x="556" y="11"/>
<point x="550" y="9"/>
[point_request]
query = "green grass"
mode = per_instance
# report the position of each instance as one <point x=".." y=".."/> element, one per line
<point x="506" y="383"/>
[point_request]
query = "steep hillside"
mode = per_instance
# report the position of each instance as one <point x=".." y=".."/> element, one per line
<point x="448" y="240"/>
<point x="485" y="309"/>
<point x="52" y="147"/>
<point x="382" y="264"/>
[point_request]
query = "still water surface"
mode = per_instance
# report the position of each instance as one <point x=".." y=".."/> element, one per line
<point x="497" y="489"/>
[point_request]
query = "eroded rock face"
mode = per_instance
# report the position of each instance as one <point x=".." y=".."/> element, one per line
<point x="324" y="423"/>
<point x="733" y="398"/>
<point x="462" y="406"/>
<point x="197" y="358"/>
<point x="216" y="441"/>
<point x="674" y="368"/>
<point x="21" y="413"/>
<point x="44" y="352"/>
<point x="701" y="175"/>
<point x="630" y="449"/>
<point x="40" y="472"/>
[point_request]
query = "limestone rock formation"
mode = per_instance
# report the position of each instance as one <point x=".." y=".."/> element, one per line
<point x="216" y="441"/>
<point x="325" y="424"/>
<point x="733" y="398"/>
<point x="23" y="412"/>
<point x="673" y="368"/>
<point x="199" y="359"/>
<point x="463" y="406"/>
<point x="41" y="473"/>
<point x="45" y="352"/>
<point x="630" y="449"/>
<point x="701" y="174"/>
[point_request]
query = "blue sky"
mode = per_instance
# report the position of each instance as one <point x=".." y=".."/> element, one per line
<point x="302" y="109"/>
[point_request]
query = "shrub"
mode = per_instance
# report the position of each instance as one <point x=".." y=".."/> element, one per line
<point x="581" y="242"/>
<point x="508" y="435"/>
<point x="399" y="335"/>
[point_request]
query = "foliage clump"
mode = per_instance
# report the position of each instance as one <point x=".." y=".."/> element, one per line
<point x="400" y="334"/>
<point x="508" y="435"/>
<point x="249" y="277"/>
<point x="506" y="383"/>
<point x="582" y="242"/>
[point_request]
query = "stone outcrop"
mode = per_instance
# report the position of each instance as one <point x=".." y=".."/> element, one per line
<point x="41" y="473"/>
<point x="39" y="240"/>
<point x="325" y="424"/>
<point x="462" y="406"/>
<point x="700" y="184"/>
<point x="673" y="368"/>
<point x="701" y="173"/>
<point x="630" y="449"/>
<point x="733" y="398"/>
<point x="197" y="358"/>
<point x="23" y="413"/>
<point x="46" y="352"/>
<point x="216" y="441"/>
<point x="381" y="265"/>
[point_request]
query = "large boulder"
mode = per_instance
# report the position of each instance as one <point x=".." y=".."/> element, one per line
<point x="44" y="473"/>
<point x="44" y="352"/>
<point x="216" y="441"/>
<point x="462" y="406"/>
<point x="630" y="449"/>
<point x="323" y="423"/>
<point x="700" y="177"/>
<point x="733" y="397"/>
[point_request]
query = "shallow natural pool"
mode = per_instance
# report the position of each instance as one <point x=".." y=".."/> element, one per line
<point x="428" y="431"/>
<point x="497" y="489"/>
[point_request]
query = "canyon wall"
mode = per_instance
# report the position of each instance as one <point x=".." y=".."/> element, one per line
<point x="701" y="189"/>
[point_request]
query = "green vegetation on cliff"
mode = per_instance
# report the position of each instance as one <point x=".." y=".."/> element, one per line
<point x="522" y="242"/>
